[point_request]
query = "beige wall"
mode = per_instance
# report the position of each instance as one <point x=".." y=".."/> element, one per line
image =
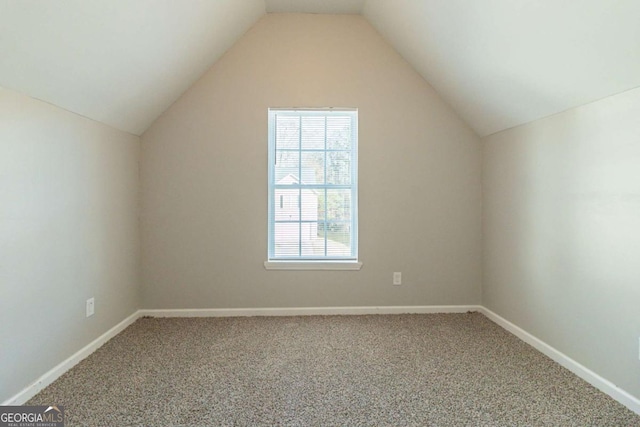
<point x="68" y="231"/>
<point x="204" y="170"/>
<point x="562" y="233"/>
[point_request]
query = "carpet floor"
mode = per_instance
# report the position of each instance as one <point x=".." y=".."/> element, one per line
<point x="374" y="370"/>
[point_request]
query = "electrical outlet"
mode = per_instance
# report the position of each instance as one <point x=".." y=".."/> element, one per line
<point x="397" y="278"/>
<point x="91" y="306"/>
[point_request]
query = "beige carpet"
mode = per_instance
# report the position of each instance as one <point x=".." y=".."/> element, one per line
<point x="384" y="370"/>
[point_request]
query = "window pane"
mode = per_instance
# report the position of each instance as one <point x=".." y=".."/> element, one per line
<point x="322" y="197"/>
<point x="287" y="131"/>
<point x="313" y="132"/>
<point x="287" y="239"/>
<point x="339" y="132"/>
<point x="286" y="204"/>
<point x="287" y="167"/>
<point x="286" y="161"/>
<point x="338" y="238"/>
<point x="338" y="205"/>
<point x="309" y="205"/>
<point x="313" y="167"/>
<point x="339" y="167"/>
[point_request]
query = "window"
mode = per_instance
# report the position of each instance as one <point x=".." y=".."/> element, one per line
<point x="313" y="189"/>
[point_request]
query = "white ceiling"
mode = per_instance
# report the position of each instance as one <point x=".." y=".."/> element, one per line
<point x="120" y="62"/>
<point x="501" y="63"/>
<point x="498" y="63"/>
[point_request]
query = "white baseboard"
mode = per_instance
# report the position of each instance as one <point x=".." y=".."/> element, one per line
<point x="586" y="374"/>
<point x="52" y="375"/>
<point x="583" y="372"/>
<point x="22" y="397"/>
<point x="309" y="311"/>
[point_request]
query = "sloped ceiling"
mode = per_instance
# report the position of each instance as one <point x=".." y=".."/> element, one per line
<point x="120" y="62"/>
<point x="501" y="63"/>
<point x="498" y="63"/>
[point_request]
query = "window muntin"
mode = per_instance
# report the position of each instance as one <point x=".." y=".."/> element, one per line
<point x="313" y="185"/>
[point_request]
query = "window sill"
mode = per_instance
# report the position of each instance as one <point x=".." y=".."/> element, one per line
<point x="313" y="265"/>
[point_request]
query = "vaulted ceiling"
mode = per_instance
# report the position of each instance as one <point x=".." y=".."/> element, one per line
<point x="120" y="62"/>
<point x="498" y="63"/>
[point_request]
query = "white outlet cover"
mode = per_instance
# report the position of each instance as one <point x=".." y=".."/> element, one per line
<point x="91" y="306"/>
<point x="397" y="278"/>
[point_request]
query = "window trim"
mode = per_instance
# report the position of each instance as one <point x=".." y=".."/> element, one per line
<point x="313" y="265"/>
<point x="350" y="262"/>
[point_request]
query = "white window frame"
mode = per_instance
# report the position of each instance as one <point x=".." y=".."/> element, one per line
<point x="350" y="262"/>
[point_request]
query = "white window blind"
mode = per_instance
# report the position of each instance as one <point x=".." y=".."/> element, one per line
<point x="313" y="185"/>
